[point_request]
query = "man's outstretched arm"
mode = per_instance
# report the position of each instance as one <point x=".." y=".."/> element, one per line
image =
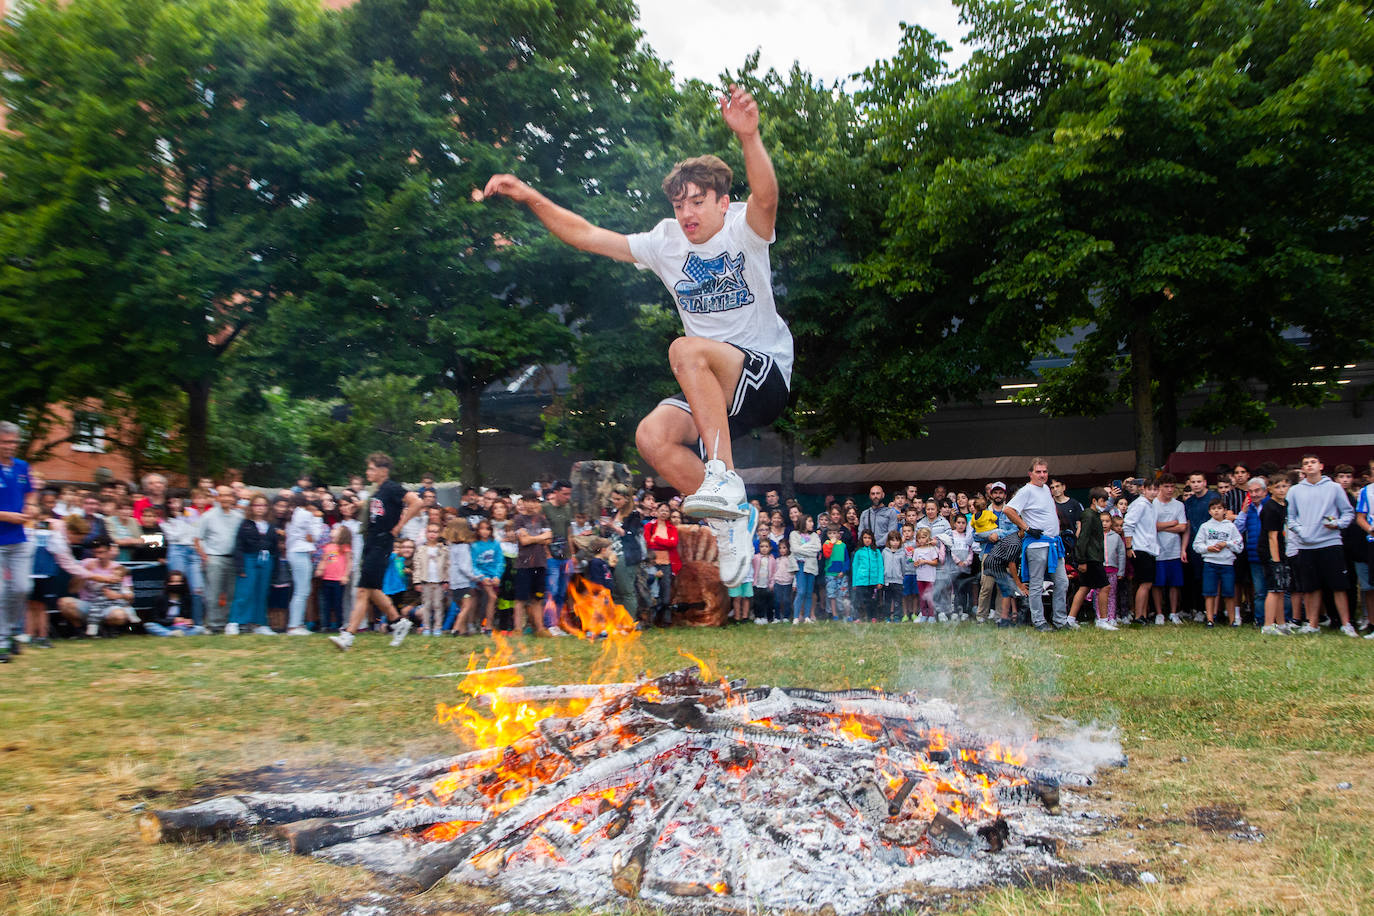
<point x="741" y="115"/>
<point x="566" y="225"/>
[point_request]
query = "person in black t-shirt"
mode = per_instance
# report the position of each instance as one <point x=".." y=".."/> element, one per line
<point x="1273" y="552"/>
<point x="389" y="508"/>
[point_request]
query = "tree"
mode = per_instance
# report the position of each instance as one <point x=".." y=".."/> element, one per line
<point x="1183" y="184"/>
<point x="383" y="413"/>
<point x="418" y="275"/>
<point x="152" y="184"/>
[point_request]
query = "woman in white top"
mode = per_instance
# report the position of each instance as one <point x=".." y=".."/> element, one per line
<point x="805" y="545"/>
<point x="302" y="533"/>
<point x="179" y="528"/>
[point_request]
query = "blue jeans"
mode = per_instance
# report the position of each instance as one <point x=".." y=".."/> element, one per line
<point x="250" y="597"/>
<point x="555" y="585"/>
<point x="16" y="562"/>
<point x="1036" y="561"/>
<point x="301" y="568"/>
<point x="183" y="558"/>
<point x="806" y="586"/>
<point x="1261" y="588"/>
<point x="782" y="602"/>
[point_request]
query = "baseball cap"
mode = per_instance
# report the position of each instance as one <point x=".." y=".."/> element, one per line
<point x="997" y="485"/>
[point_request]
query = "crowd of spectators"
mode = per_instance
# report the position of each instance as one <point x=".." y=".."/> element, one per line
<point x="1284" y="548"/>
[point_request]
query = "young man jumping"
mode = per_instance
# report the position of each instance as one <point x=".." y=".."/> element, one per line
<point x="734" y="365"/>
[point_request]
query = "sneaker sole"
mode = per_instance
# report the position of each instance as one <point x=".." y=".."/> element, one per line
<point x="712" y="510"/>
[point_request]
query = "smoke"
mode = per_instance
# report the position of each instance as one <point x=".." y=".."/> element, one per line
<point x="1008" y="688"/>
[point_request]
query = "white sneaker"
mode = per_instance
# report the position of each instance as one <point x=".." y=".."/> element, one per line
<point x="1369" y="635"/>
<point x="809" y="620"/>
<point x="92" y="630"/>
<point x="343" y="639"/>
<point x="1072" y="623"/>
<point x="942" y="617"/>
<point x="301" y="631"/>
<point x="735" y="543"/>
<point x="556" y="630"/>
<point x="399" y="631"/>
<point x="1199" y="617"/>
<point x="759" y="621"/>
<point x="1348" y="630"/>
<point x="1159" y="620"/>
<point x="795" y="621"/>
<point x="1271" y="629"/>
<point x="23" y="638"/>
<point x="721" y="495"/>
<point x="1174" y="618"/>
<point x="231" y="629"/>
<point x="1307" y="630"/>
<point x="1104" y="624"/>
<point x="424" y="631"/>
<point x="264" y="631"/>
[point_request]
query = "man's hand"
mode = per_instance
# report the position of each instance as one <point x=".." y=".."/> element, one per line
<point x="508" y="186"/>
<point x="740" y="111"/>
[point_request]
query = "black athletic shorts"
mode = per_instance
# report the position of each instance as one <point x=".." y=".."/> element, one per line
<point x="1319" y="568"/>
<point x="1094" y="577"/>
<point x="528" y="583"/>
<point x="1278" y="577"/>
<point x="376" y="553"/>
<point x="759" y="398"/>
<point x="1143" y="568"/>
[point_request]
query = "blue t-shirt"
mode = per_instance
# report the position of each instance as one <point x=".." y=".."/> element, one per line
<point x="14" y="486"/>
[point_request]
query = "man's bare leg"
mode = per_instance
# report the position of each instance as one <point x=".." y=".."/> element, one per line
<point x="667" y="439"/>
<point x="362" y="602"/>
<point x="708" y="372"/>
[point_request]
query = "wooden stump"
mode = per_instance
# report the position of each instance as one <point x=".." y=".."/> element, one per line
<point x="697" y="585"/>
<point x="591" y="485"/>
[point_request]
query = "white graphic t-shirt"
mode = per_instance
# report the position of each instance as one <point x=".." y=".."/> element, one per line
<point x="723" y="288"/>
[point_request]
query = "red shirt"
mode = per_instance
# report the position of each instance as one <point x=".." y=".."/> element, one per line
<point x="663" y="544"/>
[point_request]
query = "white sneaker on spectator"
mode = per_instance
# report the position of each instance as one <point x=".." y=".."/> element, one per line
<point x="92" y="630"/>
<point x="1174" y="618"/>
<point x="556" y="630"/>
<point x="1072" y="623"/>
<point x="1271" y="629"/>
<point x="1159" y="620"/>
<point x="231" y="629"/>
<point x="759" y="621"/>
<point x="297" y="631"/>
<point x="1199" y="617"/>
<point x="22" y="638"/>
<point x="1307" y="630"/>
<point x="1369" y="635"/>
<point x="942" y="617"/>
<point x="721" y="494"/>
<point x="1348" y="630"/>
<point x="1104" y="624"/>
<point x="342" y="639"/>
<point x="264" y="631"/>
<point x="399" y="630"/>
<point x="735" y="545"/>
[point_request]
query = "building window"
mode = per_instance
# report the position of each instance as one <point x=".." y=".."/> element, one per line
<point x="88" y="432"/>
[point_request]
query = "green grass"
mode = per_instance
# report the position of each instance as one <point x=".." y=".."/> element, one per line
<point x="91" y="729"/>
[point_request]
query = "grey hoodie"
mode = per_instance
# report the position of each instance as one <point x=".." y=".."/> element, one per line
<point x="1309" y="507"/>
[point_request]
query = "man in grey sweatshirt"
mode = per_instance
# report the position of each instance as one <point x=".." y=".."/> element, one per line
<point x="1318" y="508"/>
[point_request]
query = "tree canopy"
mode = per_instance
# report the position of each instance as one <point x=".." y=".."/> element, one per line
<point x="277" y="202"/>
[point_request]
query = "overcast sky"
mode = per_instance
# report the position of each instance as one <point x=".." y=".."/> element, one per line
<point x="829" y="38"/>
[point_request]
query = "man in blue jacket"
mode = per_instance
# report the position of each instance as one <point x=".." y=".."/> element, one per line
<point x="14" y="560"/>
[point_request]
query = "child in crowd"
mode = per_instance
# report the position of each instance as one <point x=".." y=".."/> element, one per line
<point x="1278" y="577"/>
<point x="765" y="565"/>
<point x="488" y="564"/>
<point x="460" y="536"/>
<point x="336" y="561"/>
<point x="1114" y="549"/>
<point x="431" y="580"/>
<point x="1218" y="542"/>
<point x="867" y="578"/>
<point x="171" y="613"/>
<point x="533" y="537"/>
<point x="107" y="591"/>
<point x="662" y="538"/>
<point x="1092" y="560"/>
<point x="805" y="545"/>
<point x="893" y="557"/>
<point x="742" y="598"/>
<point x="784" y="577"/>
<point x="835" y="554"/>
<point x="396" y="583"/>
<point x="911" y="590"/>
<point x="581" y="525"/>
<point x="926" y="559"/>
<point x="961" y="552"/>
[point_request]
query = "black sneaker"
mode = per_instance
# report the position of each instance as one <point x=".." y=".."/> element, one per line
<point x="1003" y="623"/>
<point x="1211" y="624"/>
<point x="1044" y="627"/>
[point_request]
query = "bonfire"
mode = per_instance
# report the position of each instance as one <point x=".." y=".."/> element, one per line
<point x="684" y="789"/>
